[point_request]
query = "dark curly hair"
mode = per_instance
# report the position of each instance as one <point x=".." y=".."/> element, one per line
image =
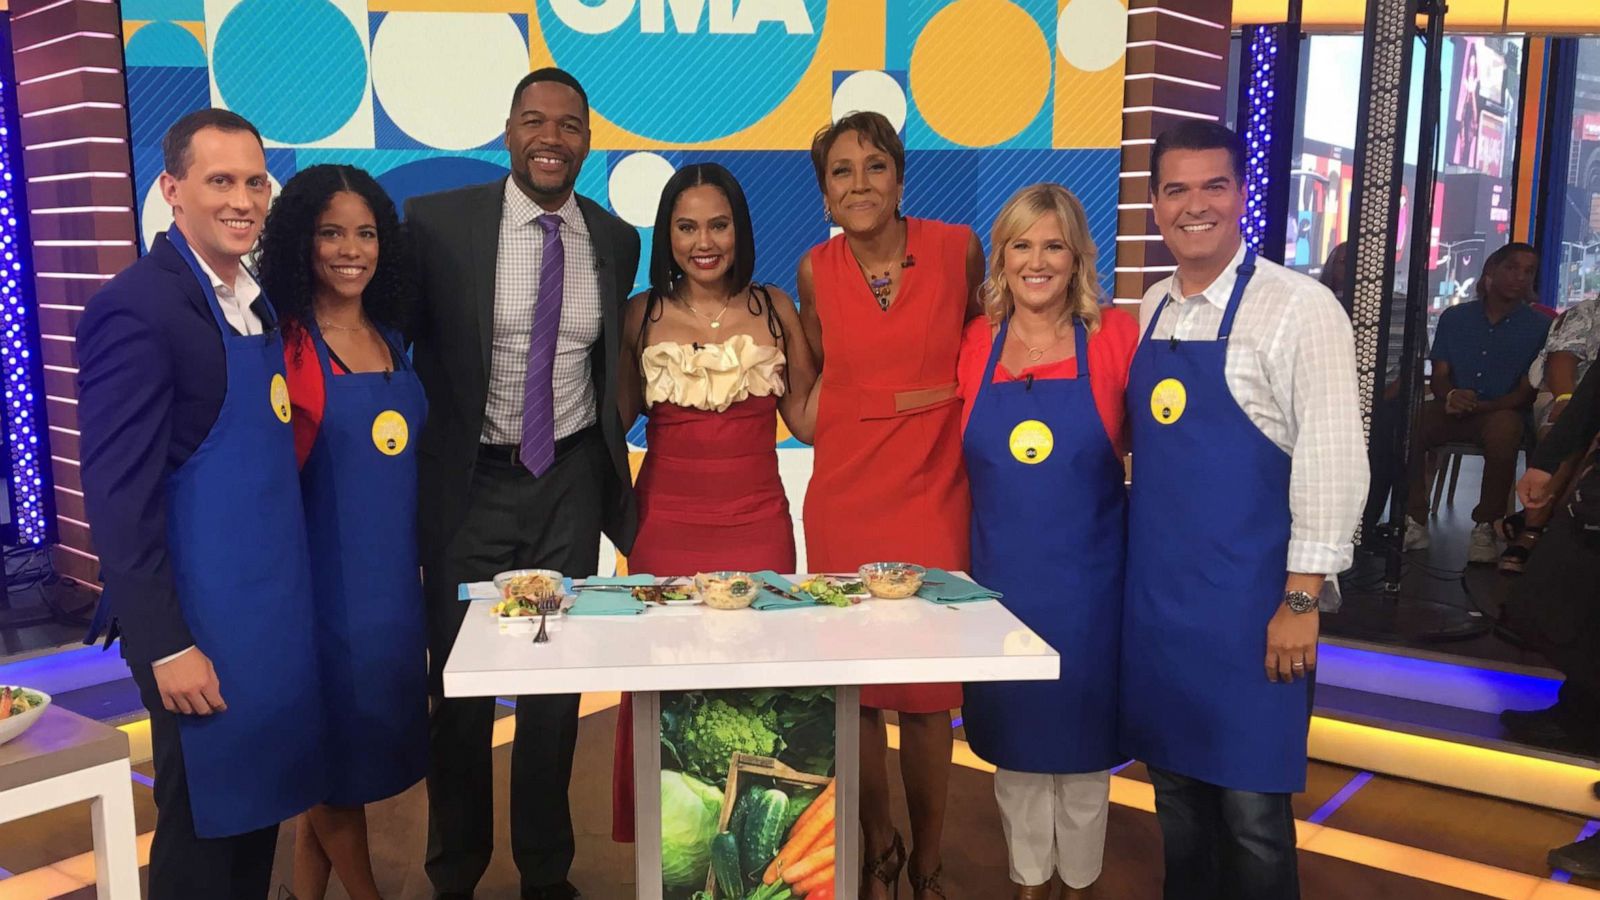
<point x="283" y="259"/>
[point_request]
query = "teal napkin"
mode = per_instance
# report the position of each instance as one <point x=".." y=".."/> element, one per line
<point x="604" y="603"/>
<point x="636" y="580"/>
<point x="953" y="589"/>
<point x="767" y="600"/>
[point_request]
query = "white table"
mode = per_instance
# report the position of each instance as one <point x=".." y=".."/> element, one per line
<point x="877" y="642"/>
<point x="65" y="758"/>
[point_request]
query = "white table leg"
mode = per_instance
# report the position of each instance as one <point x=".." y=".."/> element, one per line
<point x="116" y="854"/>
<point x="647" y="794"/>
<point x="847" y="791"/>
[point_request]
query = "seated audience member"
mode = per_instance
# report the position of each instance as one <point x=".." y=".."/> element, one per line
<point x="1572" y="345"/>
<point x="1480" y="392"/>
<point x="1555" y="607"/>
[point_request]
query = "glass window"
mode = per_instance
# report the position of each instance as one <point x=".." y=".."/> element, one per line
<point x="1480" y="90"/>
<point x="1580" y="221"/>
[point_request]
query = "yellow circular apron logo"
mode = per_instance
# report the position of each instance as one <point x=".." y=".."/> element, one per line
<point x="389" y="433"/>
<point x="1031" y="442"/>
<point x="1168" y="400"/>
<point x="280" y="398"/>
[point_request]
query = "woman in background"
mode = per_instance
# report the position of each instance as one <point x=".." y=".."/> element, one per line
<point x="883" y="305"/>
<point x="1042" y="380"/>
<point x="712" y="358"/>
<point x="334" y="259"/>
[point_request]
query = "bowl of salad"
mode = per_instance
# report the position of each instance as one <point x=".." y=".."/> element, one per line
<point x="726" y="590"/>
<point x="19" y="709"/>
<point x="524" y="593"/>
<point x="892" y="580"/>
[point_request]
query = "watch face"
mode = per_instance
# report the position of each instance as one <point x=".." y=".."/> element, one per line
<point x="1300" y="601"/>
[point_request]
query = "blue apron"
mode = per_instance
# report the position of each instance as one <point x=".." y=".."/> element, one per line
<point x="1049" y="525"/>
<point x="360" y="484"/>
<point x="236" y="536"/>
<point x="1207" y="560"/>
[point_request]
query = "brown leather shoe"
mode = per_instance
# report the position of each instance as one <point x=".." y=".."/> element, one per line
<point x="1034" y="891"/>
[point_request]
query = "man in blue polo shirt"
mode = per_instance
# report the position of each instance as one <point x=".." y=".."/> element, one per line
<point x="1480" y="390"/>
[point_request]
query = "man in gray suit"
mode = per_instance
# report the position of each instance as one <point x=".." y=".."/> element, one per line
<point x="523" y="460"/>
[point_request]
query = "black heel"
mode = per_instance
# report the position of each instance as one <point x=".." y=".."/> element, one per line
<point x="886" y="867"/>
<point x="929" y="883"/>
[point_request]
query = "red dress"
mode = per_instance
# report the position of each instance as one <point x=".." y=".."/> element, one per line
<point x="887" y="482"/>
<point x="709" y="498"/>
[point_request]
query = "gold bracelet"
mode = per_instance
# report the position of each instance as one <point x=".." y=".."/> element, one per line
<point x="1562" y="397"/>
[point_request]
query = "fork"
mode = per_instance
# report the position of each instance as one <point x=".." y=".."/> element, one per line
<point x="542" y="637"/>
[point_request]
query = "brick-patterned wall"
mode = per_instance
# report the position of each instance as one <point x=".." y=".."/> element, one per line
<point x="1177" y="69"/>
<point x="71" y="100"/>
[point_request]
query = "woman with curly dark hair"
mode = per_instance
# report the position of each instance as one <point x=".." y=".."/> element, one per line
<point x="334" y="259"/>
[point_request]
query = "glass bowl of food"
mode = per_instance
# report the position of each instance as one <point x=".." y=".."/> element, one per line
<point x="527" y="592"/>
<point x="892" y="580"/>
<point x="726" y="590"/>
<point x="19" y="709"/>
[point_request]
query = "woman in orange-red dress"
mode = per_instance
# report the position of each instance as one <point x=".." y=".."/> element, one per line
<point x="884" y="305"/>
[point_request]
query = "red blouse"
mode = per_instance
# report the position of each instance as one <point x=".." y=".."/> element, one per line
<point x="306" y="395"/>
<point x="1110" y="354"/>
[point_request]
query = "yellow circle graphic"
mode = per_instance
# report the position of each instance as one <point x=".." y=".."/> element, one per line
<point x="389" y="433"/>
<point x="980" y="91"/>
<point x="1168" y="400"/>
<point x="279" y="396"/>
<point x="1031" y="442"/>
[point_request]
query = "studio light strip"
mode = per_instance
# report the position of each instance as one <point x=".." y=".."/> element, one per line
<point x="1260" y="99"/>
<point x="22" y="419"/>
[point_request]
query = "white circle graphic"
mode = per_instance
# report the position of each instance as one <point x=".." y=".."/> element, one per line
<point x="871" y="92"/>
<point x="636" y="184"/>
<point x="1092" y="34"/>
<point x="445" y="78"/>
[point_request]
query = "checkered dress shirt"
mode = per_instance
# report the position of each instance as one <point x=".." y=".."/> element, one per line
<point x="1291" y="366"/>
<point x="516" y="285"/>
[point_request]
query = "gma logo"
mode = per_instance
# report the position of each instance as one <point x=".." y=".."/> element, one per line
<point x="727" y="16"/>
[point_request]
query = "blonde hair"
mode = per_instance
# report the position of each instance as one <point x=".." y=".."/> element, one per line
<point x="1019" y="214"/>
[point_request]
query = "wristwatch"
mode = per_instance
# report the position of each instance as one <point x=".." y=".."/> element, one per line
<point x="1299" y="601"/>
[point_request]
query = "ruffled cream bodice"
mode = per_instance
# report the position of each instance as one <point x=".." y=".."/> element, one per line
<point x="711" y="376"/>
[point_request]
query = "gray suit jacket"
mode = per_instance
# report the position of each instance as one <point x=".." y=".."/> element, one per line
<point x="457" y="235"/>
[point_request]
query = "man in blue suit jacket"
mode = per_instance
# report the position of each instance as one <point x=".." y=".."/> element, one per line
<point x="190" y="484"/>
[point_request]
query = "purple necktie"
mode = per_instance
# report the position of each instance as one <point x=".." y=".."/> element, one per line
<point x="538" y="389"/>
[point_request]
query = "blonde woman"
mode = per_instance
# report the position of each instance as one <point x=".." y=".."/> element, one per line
<point x="1042" y="376"/>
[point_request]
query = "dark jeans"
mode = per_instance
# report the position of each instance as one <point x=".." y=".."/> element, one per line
<point x="1222" y="844"/>
<point x="184" y="866"/>
<point x="514" y="521"/>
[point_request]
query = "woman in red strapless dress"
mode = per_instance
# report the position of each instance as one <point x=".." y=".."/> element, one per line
<point x="884" y="305"/>
<point x="712" y="358"/>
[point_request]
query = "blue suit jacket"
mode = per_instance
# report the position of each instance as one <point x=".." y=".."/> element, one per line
<point x="151" y="378"/>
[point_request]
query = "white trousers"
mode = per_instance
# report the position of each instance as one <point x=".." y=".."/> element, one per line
<point x="1054" y="823"/>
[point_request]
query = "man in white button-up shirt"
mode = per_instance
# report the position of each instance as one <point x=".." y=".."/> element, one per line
<point x="1249" y="475"/>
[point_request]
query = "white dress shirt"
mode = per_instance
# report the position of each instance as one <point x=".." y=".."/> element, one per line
<point x="235" y="302"/>
<point x="1291" y="366"/>
<point x="516" y="290"/>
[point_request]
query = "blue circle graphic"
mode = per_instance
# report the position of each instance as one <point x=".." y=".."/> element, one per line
<point x="164" y="44"/>
<point x="684" y="79"/>
<point x="295" y="68"/>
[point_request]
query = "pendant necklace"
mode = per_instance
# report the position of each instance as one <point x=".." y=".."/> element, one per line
<point x="716" y="321"/>
<point x="1036" y="354"/>
<point x="329" y="326"/>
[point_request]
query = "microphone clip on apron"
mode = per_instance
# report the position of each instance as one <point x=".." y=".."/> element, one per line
<point x="360" y="484"/>
<point x="236" y="535"/>
<point x="1207" y="560"/>
<point x="1049" y="524"/>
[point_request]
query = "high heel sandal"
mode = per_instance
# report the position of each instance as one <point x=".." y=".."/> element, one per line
<point x="886" y="867"/>
<point x="930" y="883"/>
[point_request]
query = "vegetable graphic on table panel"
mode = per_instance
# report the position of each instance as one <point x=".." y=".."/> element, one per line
<point x="747" y="806"/>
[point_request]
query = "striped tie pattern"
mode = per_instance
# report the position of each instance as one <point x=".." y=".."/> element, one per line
<point x="538" y="395"/>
